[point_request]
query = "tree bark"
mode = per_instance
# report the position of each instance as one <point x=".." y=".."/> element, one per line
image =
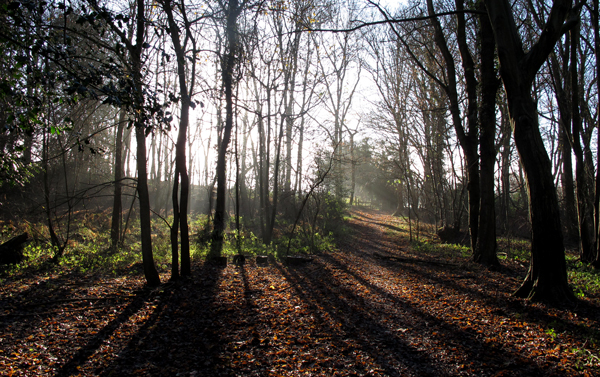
<point x="505" y="168"/>
<point x="583" y="177"/>
<point x="485" y="251"/>
<point x="115" y="228"/>
<point x="468" y="140"/>
<point x="229" y="62"/>
<point x="546" y="279"/>
<point x="561" y="82"/>
<point x="180" y="204"/>
<point x="150" y="272"/>
<point x="595" y="21"/>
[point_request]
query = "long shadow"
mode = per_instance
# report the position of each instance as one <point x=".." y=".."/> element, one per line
<point x="364" y="236"/>
<point x="39" y="300"/>
<point x="514" y="306"/>
<point x="441" y="331"/>
<point x="505" y="307"/>
<point x="92" y="346"/>
<point x="181" y="334"/>
<point x="394" y="355"/>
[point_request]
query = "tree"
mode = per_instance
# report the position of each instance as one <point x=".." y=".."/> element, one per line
<point x="115" y="228"/>
<point x="229" y="62"/>
<point x="546" y="279"/>
<point x="180" y="199"/>
<point x="340" y="87"/>
<point x="447" y="80"/>
<point x="485" y="249"/>
<point x="595" y="16"/>
<point x="467" y="138"/>
<point x="130" y="92"/>
<point x="140" y="119"/>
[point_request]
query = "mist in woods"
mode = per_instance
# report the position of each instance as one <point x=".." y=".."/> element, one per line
<point x="299" y="187"/>
<point x="265" y="120"/>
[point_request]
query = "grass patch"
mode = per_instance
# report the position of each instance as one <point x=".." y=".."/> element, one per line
<point x="584" y="279"/>
<point x="445" y="250"/>
<point x="513" y="249"/>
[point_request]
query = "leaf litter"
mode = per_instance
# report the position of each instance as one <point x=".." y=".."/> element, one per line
<point x="373" y="307"/>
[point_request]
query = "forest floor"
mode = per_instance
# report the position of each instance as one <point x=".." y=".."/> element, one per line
<point x="374" y="307"/>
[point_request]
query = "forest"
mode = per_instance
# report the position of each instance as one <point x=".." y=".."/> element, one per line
<point x="299" y="187"/>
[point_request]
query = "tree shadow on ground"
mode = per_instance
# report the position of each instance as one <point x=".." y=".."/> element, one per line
<point x="347" y="313"/>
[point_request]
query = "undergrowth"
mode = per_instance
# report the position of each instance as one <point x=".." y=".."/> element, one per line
<point x="89" y="249"/>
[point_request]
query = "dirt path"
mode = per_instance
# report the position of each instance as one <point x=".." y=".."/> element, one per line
<point x="374" y="307"/>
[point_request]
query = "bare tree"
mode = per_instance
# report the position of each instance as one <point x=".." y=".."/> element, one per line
<point x="229" y="62"/>
<point x="547" y="276"/>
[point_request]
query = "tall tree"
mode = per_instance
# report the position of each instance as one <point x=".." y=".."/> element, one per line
<point x="595" y="16"/>
<point x="467" y="138"/>
<point x="115" y="228"/>
<point x="229" y="61"/>
<point x="140" y="119"/>
<point x="485" y="249"/>
<point x="133" y="94"/>
<point x="181" y="193"/>
<point x="339" y="56"/>
<point x="546" y="279"/>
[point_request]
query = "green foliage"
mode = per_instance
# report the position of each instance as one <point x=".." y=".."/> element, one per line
<point x="89" y="251"/>
<point x="592" y="360"/>
<point x="584" y="278"/>
<point x="551" y="332"/>
<point x="514" y="249"/>
<point x="324" y="214"/>
<point x="14" y="170"/>
<point x="445" y="249"/>
<point x="308" y="243"/>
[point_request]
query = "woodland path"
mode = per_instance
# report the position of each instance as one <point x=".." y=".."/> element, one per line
<point x="374" y="307"/>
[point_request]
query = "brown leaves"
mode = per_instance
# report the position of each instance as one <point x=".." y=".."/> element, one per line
<point x="346" y="313"/>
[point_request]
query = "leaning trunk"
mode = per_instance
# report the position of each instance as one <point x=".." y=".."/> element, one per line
<point x="547" y="276"/>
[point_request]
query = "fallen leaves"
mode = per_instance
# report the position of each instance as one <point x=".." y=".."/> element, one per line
<point x="373" y="307"/>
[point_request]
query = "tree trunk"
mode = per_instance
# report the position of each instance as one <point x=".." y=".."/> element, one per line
<point x="485" y="252"/>
<point x="595" y="21"/>
<point x="59" y="249"/>
<point x="468" y="140"/>
<point x="547" y="276"/>
<point x="567" y="182"/>
<point x="115" y="228"/>
<point x="353" y="169"/>
<point x="180" y="205"/>
<point x="229" y="62"/>
<point x="585" y="206"/>
<point x="152" y="277"/>
<point x="175" y="229"/>
<point x="505" y="169"/>
<point x="150" y="272"/>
